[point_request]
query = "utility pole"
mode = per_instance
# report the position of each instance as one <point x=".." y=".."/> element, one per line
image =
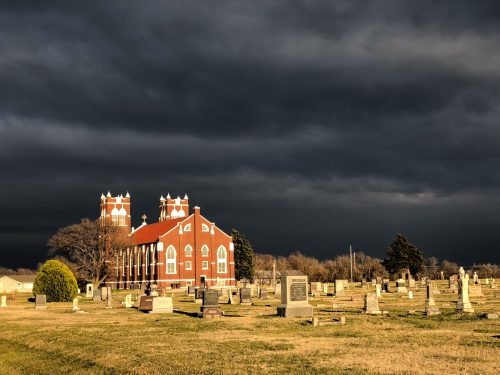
<point x="274" y="274"/>
<point x="350" y="259"/>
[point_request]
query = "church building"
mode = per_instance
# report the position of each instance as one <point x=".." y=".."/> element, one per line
<point x="181" y="249"/>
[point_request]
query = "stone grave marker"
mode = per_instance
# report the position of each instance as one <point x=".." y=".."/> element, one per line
<point x="97" y="295"/>
<point x="230" y="299"/>
<point x="75" y="307"/>
<point x="4" y="301"/>
<point x="411" y="283"/>
<point x="104" y="293"/>
<point x="493" y="286"/>
<point x="371" y="304"/>
<point x="475" y="278"/>
<point x="442" y="275"/>
<point x="108" y="299"/>
<point x="377" y="290"/>
<point x="245" y="296"/>
<point x="386" y="286"/>
<point x="191" y="290"/>
<point x="154" y="290"/>
<point x="198" y="293"/>
<point x="162" y="305"/>
<point x="379" y="280"/>
<point x="430" y="305"/>
<point x="128" y="301"/>
<point x="277" y="290"/>
<point x="401" y="286"/>
<point x="145" y="303"/>
<point x="463" y="304"/>
<point x="410" y="295"/>
<point x="90" y="291"/>
<point x="210" y="307"/>
<point x="339" y="288"/>
<point x="263" y="293"/>
<point x="374" y="282"/>
<point x="294" y="297"/>
<point x="487" y="281"/>
<point x="475" y="290"/>
<point x="452" y="282"/>
<point x="40" y="301"/>
<point x="325" y="288"/>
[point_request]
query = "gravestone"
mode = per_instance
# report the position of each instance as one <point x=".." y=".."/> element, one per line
<point x="230" y="299"/>
<point x="162" y="305"/>
<point x="75" y="307"/>
<point x="223" y="292"/>
<point x="263" y="293"/>
<point x="316" y="288"/>
<point x="245" y="296"/>
<point x="40" y="301"/>
<point x="401" y="286"/>
<point x="379" y="280"/>
<point x="493" y="285"/>
<point x="410" y="295"/>
<point x="386" y="286"/>
<point x="104" y="293"/>
<point x="411" y="283"/>
<point x="191" y="290"/>
<point x="377" y="290"/>
<point x="90" y="291"/>
<point x="128" y="301"/>
<point x="371" y="304"/>
<point x="363" y="283"/>
<point x="452" y="282"/>
<point x="325" y="288"/>
<point x="97" y="295"/>
<point x="154" y="290"/>
<point x="294" y="297"/>
<point x="475" y="290"/>
<point x="277" y="291"/>
<point x="463" y="304"/>
<point x="4" y="301"/>
<point x="487" y="281"/>
<point x="475" y="278"/>
<point x="210" y="307"/>
<point x="198" y="293"/>
<point x="430" y="305"/>
<point x="339" y="288"/>
<point x="108" y="299"/>
<point x="145" y="303"/>
<point x="442" y="275"/>
<point x="374" y="282"/>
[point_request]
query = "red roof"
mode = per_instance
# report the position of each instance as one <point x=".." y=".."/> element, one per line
<point x="150" y="232"/>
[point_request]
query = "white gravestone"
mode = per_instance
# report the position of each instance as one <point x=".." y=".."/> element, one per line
<point x="294" y="297"/>
<point x="90" y="291"/>
<point x="4" y="301"/>
<point x="75" y="305"/>
<point x="371" y="304"/>
<point x="339" y="288"/>
<point x="128" y="301"/>
<point x="463" y="304"/>
<point x="162" y="305"/>
<point x="378" y="290"/>
<point x="410" y="295"/>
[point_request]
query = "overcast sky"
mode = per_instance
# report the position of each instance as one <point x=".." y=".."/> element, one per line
<point x="307" y="125"/>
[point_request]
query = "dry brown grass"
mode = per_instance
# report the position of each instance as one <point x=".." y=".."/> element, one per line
<point x="250" y="339"/>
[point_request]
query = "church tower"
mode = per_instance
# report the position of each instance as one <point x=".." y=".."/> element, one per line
<point x="116" y="211"/>
<point x="173" y="208"/>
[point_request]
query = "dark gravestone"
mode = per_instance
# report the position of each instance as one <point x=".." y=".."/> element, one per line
<point x="210" y="298"/>
<point x="245" y="296"/>
<point x="146" y="303"/>
<point x="191" y="290"/>
<point x="298" y="292"/>
<point x="97" y="295"/>
<point x="210" y="307"/>
<point x="40" y="301"/>
<point x="198" y="294"/>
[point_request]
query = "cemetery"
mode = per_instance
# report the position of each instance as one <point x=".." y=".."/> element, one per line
<point x="299" y="330"/>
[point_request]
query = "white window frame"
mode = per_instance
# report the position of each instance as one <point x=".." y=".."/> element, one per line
<point x="190" y="249"/>
<point x="204" y="228"/>
<point x="189" y="265"/>
<point x="203" y="263"/>
<point x="170" y="261"/>
<point x="187" y="227"/>
<point x="205" y="249"/>
<point x="221" y="260"/>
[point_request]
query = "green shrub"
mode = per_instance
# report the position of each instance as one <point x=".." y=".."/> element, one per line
<point x="55" y="280"/>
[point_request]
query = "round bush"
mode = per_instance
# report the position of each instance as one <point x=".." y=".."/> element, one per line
<point x="56" y="281"/>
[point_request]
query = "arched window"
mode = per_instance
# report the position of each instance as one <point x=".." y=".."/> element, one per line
<point x="188" y="251"/>
<point x="114" y="216"/>
<point x="221" y="259"/>
<point x="171" y="259"/>
<point x="174" y="214"/>
<point x="122" y="214"/>
<point x="204" y="251"/>
<point x="187" y="228"/>
<point x="204" y="228"/>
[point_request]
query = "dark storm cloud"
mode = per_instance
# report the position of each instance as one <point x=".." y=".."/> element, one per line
<point x="348" y="121"/>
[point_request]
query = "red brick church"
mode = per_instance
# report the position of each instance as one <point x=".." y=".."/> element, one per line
<point x="179" y="250"/>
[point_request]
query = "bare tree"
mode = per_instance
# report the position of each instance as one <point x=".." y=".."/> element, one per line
<point x="90" y="247"/>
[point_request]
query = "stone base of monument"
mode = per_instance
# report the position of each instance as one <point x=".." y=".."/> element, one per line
<point x="464" y="308"/>
<point x="210" y="313"/>
<point x="301" y="311"/>
<point x="316" y="322"/>
<point x="432" y="310"/>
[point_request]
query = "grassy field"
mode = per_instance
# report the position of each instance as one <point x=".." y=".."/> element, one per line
<point x="251" y="339"/>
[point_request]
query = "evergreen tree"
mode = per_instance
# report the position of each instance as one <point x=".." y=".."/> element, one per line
<point x="402" y="254"/>
<point x="56" y="281"/>
<point x="243" y="256"/>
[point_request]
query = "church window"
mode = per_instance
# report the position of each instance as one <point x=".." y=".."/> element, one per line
<point x="204" y="251"/>
<point x="221" y="259"/>
<point x="171" y="260"/>
<point x="188" y="251"/>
